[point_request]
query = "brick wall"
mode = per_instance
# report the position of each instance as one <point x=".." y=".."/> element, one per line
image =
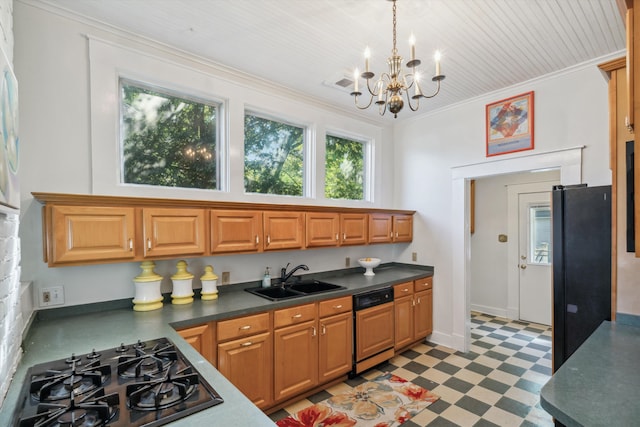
<point x="11" y="316"/>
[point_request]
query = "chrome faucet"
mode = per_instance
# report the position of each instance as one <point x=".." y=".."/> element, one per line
<point x="284" y="276"/>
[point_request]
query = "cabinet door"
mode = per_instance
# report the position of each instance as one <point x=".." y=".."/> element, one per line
<point x="296" y="359"/>
<point x="353" y="229"/>
<point x="402" y="228"/>
<point x="403" y="321"/>
<point x="423" y="312"/>
<point x="322" y="229"/>
<point x="201" y="338"/>
<point x="380" y="228"/>
<point x="336" y="346"/>
<point x="246" y="363"/>
<point x="173" y="232"/>
<point x="80" y="234"/>
<point x="283" y="230"/>
<point x="375" y="330"/>
<point x="236" y="231"/>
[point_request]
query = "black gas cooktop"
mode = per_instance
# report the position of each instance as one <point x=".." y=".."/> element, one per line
<point x="149" y="383"/>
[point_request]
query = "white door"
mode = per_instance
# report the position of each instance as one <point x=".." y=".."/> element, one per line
<point x="534" y="241"/>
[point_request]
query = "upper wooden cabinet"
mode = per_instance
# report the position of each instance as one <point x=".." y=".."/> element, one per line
<point x="390" y="228"/>
<point x="85" y="229"/>
<point x="173" y="232"/>
<point x="78" y="234"/>
<point x="236" y="231"/>
<point x="353" y="228"/>
<point x="322" y="229"/>
<point x="283" y="230"/>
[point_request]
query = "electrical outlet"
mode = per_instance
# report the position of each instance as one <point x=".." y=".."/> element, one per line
<point x="226" y="277"/>
<point x="51" y="296"/>
<point x="414" y="256"/>
<point x="347" y="262"/>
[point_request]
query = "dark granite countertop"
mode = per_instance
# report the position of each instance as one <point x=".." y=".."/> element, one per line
<point x="55" y="334"/>
<point x="599" y="385"/>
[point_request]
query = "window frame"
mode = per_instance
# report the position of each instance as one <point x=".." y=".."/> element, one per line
<point x="308" y="151"/>
<point x="220" y="142"/>
<point x="368" y="178"/>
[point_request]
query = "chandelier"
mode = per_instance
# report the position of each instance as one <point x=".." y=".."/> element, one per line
<point x="390" y="87"/>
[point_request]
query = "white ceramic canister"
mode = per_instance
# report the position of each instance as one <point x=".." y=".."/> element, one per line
<point x="209" y="284"/>
<point x="148" y="296"/>
<point x="182" y="285"/>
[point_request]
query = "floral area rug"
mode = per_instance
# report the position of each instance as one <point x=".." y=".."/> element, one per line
<point x="385" y="401"/>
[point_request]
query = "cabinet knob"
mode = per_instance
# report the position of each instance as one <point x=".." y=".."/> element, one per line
<point x="324" y="329"/>
<point x="130" y="244"/>
<point x="257" y="240"/>
<point x="337" y="307"/>
<point x="245" y="328"/>
<point x="268" y="240"/>
<point x="296" y="316"/>
<point x="337" y="237"/>
<point x="149" y="244"/>
<point x="314" y="332"/>
<point x="246" y="344"/>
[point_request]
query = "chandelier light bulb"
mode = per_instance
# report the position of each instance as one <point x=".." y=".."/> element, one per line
<point x="412" y="43"/>
<point x="437" y="57"/>
<point x="367" y="55"/>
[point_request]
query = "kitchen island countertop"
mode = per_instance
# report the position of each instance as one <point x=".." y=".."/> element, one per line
<point x="599" y="385"/>
<point x="56" y="337"/>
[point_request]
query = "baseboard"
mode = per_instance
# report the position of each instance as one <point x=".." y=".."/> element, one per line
<point x="628" y="319"/>
<point x="494" y="311"/>
<point x="453" y="341"/>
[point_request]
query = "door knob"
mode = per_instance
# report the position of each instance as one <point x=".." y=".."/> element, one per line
<point x="523" y="266"/>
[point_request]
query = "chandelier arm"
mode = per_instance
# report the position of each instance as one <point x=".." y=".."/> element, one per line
<point x="365" y="106"/>
<point x="411" y="105"/>
<point x="434" y="93"/>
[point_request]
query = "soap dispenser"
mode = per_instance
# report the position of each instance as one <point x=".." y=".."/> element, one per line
<point x="266" y="280"/>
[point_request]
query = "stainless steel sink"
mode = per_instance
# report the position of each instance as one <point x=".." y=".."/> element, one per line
<point x="294" y="290"/>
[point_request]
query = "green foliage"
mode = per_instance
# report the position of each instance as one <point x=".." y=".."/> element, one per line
<point x="344" y="176"/>
<point x="273" y="157"/>
<point x="168" y="141"/>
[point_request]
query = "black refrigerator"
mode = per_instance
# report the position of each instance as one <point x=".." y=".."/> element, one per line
<point x="581" y="218"/>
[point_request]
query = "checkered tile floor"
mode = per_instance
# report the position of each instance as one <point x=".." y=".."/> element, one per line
<point x="496" y="383"/>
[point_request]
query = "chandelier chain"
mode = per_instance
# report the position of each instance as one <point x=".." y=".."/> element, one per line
<point x="395" y="50"/>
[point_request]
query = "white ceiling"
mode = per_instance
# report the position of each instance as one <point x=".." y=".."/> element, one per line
<point x="486" y="45"/>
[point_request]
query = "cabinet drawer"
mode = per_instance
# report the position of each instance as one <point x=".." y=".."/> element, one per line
<point x="403" y="289"/>
<point x="335" y="306"/>
<point x="243" y="326"/>
<point x="423" y="284"/>
<point x="294" y="315"/>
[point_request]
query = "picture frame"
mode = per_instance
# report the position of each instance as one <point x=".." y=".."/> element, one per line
<point x="510" y="125"/>
<point x="9" y="139"/>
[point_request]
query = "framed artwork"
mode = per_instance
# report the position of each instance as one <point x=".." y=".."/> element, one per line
<point x="510" y="125"/>
<point x="9" y="141"/>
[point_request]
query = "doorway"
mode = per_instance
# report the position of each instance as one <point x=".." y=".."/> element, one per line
<point x="568" y="161"/>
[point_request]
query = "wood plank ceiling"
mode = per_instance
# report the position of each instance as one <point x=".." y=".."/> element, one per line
<point x="307" y="45"/>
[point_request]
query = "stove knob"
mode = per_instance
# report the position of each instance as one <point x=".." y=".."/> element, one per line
<point x="93" y="355"/>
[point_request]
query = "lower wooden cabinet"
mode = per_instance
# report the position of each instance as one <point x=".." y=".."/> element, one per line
<point x="295" y="341"/>
<point x="245" y="356"/>
<point x="336" y="338"/>
<point x="246" y="363"/>
<point x="201" y="338"/>
<point x="413" y="311"/>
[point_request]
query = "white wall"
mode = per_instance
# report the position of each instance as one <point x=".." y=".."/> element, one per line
<point x="69" y="132"/>
<point x="570" y="110"/>
<point x="489" y="263"/>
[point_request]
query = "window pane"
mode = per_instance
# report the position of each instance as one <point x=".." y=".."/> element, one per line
<point x="273" y="157"/>
<point x="168" y="140"/>
<point x="540" y="234"/>
<point x="344" y="176"/>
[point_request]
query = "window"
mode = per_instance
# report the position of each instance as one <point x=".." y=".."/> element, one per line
<point x="345" y="168"/>
<point x="540" y="234"/>
<point x="273" y="156"/>
<point x="168" y="139"/>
